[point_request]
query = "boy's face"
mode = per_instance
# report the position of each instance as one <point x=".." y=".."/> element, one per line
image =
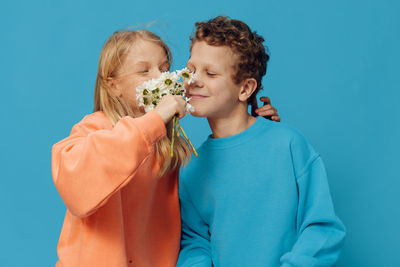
<point x="213" y="93"/>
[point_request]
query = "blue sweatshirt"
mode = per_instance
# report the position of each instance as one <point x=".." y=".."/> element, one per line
<point x="258" y="198"/>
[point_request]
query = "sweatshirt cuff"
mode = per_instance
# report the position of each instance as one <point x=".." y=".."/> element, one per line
<point x="152" y="126"/>
<point x="291" y="259"/>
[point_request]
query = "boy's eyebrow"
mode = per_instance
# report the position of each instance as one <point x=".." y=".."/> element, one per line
<point x="207" y="65"/>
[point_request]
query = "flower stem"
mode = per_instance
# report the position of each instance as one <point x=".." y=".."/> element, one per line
<point x="173" y="137"/>
<point x="190" y="143"/>
<point x="178" y="133"/>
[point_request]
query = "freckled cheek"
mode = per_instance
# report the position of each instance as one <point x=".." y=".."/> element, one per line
<point x="213" y="87"/>
<point x="129" y="92"/>
<point x="217" y="89"/>
<point x="135" y="83"/>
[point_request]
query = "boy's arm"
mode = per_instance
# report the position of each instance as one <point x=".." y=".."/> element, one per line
<point x="195" y="239"/>
<point x="320" y="232"/>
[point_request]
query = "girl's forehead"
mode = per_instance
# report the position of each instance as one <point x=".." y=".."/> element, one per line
<point x="143" y="50"/>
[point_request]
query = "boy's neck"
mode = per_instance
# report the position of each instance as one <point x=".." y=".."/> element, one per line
<point x="230" y="125"/>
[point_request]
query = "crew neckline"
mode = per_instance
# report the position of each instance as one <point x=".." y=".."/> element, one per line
<point x="237" y="139"/>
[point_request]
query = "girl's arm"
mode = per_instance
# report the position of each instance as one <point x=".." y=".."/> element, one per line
<point x="267" y="110"/>
<point x="92" y="164"/>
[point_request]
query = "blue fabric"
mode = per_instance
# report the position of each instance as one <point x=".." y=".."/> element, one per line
<point x="259" y="198"/>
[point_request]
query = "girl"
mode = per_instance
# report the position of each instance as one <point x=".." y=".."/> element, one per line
<point x="114" y="172"/>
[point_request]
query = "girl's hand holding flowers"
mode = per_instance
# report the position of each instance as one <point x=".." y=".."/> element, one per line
<point x="166" y="95"/>
<point x="171" y="105"/>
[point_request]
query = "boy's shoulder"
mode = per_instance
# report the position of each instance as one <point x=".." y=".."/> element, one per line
<point x="272" y="132"/>
<point x="300" y="148"/>
<point x="285" y="132"/>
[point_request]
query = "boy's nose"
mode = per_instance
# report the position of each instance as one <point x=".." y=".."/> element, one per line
<point x="196" y="82"/>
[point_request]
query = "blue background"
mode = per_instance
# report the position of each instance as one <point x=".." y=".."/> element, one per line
<point x="333" y="74"/>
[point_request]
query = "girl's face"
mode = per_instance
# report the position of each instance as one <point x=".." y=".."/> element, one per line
<point x="145" y="60"/>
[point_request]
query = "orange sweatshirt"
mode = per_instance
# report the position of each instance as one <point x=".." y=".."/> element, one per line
<point x="119" y="213"/>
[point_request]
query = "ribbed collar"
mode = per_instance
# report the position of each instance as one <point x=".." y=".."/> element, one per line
<point x="237" y="139"/>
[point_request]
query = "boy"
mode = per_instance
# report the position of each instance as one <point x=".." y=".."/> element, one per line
<point x="257" y="195"/>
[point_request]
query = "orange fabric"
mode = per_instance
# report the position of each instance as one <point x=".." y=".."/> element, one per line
<point x="119" y="213"/>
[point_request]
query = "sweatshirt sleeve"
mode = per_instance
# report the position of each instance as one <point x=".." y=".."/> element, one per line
<point x="93" y="163"/>
<point x="320" y="233"/>
<point x="195" y="241"/>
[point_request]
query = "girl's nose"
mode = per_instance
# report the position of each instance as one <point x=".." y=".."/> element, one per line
<point x="155" y="74"/>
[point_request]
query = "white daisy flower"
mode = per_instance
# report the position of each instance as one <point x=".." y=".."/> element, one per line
<point x="189" y="108"/>
<point x="149" y="94"/>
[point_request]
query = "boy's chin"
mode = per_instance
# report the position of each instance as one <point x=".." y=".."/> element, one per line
<point x="199" y="111"/>
<point x="197" y="114"/>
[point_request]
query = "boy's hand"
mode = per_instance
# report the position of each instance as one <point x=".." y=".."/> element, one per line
<point x="268" y="111"/>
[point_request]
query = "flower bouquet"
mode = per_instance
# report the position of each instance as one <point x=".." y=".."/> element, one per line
<point x="150" y="93"/>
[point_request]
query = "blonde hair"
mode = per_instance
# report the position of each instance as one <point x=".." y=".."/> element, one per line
<point x="115" y="107"/>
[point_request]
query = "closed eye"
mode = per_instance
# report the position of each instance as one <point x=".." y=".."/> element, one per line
<point x="164" y="69"/>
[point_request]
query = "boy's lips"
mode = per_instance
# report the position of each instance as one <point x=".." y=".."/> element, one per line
<point x="194" y="96"/>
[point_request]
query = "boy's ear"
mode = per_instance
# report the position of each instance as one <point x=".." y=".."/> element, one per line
<point x="249" y="85"/>
<point x="114" y="88"/>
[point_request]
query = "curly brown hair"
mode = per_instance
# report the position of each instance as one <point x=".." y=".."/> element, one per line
<point x="248" y="46"/>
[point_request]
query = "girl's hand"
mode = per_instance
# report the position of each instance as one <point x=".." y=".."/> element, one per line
<point x="268" y="111"/>
<point x="169" y="106"/>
